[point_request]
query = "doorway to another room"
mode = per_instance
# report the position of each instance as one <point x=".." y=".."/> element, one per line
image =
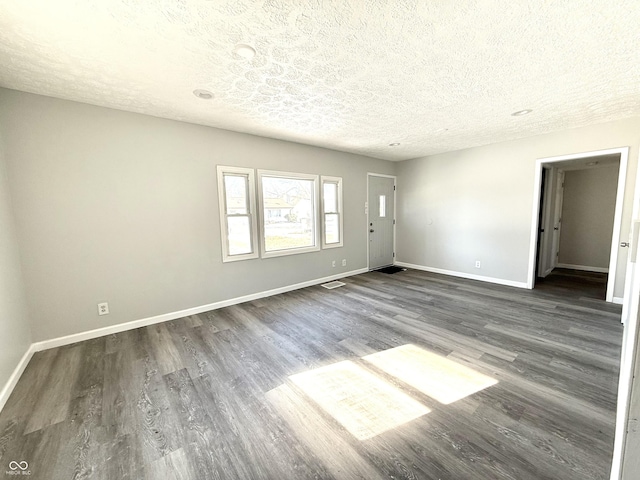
<point x="578" y="225"/>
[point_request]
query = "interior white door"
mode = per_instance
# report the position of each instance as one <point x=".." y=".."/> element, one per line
<point x="557" y="219"/>
<point x="545" y="236"/>
<point x="381" y="221"/>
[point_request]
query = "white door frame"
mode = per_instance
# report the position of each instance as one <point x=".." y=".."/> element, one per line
<point x="617" y="220"/>
<point x="395" y="206"/>
<point x="629" y="353"/>
<point x="628" y="357"/>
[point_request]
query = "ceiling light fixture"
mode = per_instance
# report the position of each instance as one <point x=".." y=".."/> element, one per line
<point x="520" y="113"/>
<point x="394" y="144"/>
<point x="591" y="164"/>
<point x="245" y="51"/>
<point x="203" y="94"/>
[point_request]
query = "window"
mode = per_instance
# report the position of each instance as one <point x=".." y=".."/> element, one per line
<point x="290" y="218"/>
<point x="383" y="206"/>
<point x="236" y="187"/>
<point x="332" y="212"/>
<point x="288" y="203"/>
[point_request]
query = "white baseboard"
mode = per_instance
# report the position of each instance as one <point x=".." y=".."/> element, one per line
<point x="584" y="268"/>
<point x="99" y="332"/>
<point x="121" y="327"/>
<point x="618" y="300"/>
<point x="15" y="376"/>
<point x="470" y="276"/>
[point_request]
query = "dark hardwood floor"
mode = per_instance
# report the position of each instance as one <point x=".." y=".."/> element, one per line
<point x="220" y="395"/>
<point x="575" y="283"/>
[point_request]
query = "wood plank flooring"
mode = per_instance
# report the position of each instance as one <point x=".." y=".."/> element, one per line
<point x="210" y="396"/>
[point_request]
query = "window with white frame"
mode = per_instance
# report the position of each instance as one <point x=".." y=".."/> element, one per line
<point x="238" y="223"/>
<point x="288" y="207"/>
<point x="332" y="225"/>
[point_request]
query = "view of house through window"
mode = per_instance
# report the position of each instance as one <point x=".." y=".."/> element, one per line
<point x="288" y="206"/>
<point x="288" y="219"/>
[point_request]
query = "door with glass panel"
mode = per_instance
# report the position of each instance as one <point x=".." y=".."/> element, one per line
<point x="381" y="221"/>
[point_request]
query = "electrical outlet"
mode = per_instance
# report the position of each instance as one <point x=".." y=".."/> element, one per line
<point x="477" y="263"/>
<point x="333" y="263"/>
<point x="103" y="308"/>
<point x="344" y="262"/>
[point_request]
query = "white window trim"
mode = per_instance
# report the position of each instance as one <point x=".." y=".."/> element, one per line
<point x="337" y="180"/>
<point x="222" y="201"/>
<point x="316" y="223"/>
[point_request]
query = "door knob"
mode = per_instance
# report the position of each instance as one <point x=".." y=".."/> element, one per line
<point x="624" y="244"/>
<point x="371" y="230"/>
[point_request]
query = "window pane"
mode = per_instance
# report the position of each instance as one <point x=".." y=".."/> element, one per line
<point x="238" y="213"/>
<point x="331" y="228"/>
<point x="383" y="206"/>
<point x="235" y="187"/>
<point x="288" y="213"/>
<point x="330" y="192"/>
<point x="239" y="235"/>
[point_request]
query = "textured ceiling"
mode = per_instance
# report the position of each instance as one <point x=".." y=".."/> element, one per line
<point x="587" y="163"/>
<point x="352" y="75"/>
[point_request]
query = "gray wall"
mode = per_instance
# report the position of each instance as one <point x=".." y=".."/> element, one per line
<point x="123" y="208"/>
<point x="587" y="216"/>
<point x="476" y="204"/>
<point x="120" y="207"/>
<point x="15" y="333"/>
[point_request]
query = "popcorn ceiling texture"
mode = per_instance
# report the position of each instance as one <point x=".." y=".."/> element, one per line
<point x="351" y="75"/>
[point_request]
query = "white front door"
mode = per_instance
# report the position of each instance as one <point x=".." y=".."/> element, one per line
<point x="381" y="221"/>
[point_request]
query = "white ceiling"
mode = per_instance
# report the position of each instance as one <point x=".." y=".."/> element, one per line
<point x="352" y="75"/>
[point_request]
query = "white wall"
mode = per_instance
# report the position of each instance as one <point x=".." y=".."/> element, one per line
<point x="587" y="216"/>
<point x="123" y="208"/>
<point x="15" y="333"/>
<point x="476" y="204"/>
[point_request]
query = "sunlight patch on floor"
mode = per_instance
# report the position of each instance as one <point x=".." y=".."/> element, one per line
<point x="363" y="403"/>
<point x="438" y="377"/>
